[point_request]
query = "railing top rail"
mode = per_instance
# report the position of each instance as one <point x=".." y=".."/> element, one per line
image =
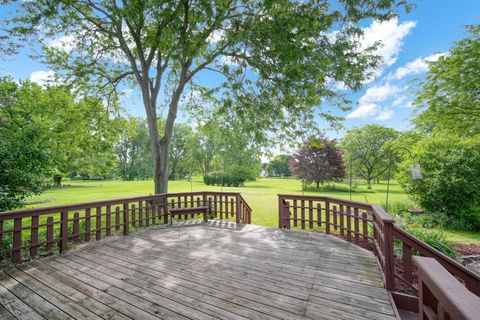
<point x="379" y="212"/>
<point x="458" y="301"/>
<point x="428" y="251"/>
<point x="7" y="215"/>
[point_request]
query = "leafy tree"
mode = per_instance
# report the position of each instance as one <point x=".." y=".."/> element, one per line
<point x="276" y="58"/>
<point x="449" y="97"/>
<point x="450" y="169"/>
<point x="368" y="148"/>
<point x="184" y="142"/>
<point x="134" y="157"/>
<point x="318" y="161"/>
<point x="279" y="166"/>
<point x="78" y="132"/>
<point x="25" y="162"/>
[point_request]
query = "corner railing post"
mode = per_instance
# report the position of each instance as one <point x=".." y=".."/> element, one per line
<point x="389" y="259"/>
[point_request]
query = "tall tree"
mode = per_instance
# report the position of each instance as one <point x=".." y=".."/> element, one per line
<point x="368" y="148"/>
<point x="25" y="160"/>
<point x="277" y="58"/>
<point x="319" y="160"/>
<point x="184" y="142"/>
<point x="449" y="98"/>
<point x="134" y="158"/>
<point x="279" y="166"/>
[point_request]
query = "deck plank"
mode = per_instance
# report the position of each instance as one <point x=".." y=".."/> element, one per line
<point x="192" y="270"/>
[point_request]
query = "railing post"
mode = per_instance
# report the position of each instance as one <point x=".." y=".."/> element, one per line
<point x="389" y="259"/>
<point x="280" y="212"/>
<point x="125" y="219"/>
<point x="64" y="231"/>
<point x="165" y="209"/>
<point x="17" y="240"/>
<point x="239" y="212"/>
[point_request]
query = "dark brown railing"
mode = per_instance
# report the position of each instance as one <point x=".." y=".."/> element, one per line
<point x="441" y="295"/>
<point x="28" y="233"/>
<point x="371" y="227"/>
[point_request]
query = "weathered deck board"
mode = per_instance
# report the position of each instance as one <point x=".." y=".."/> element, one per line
<point x="217" y="270"/>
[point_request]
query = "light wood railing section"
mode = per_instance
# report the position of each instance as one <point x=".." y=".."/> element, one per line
<point x="28" y="233"/>
<point x="441" y="295"/>
<point x="371" y="227"/>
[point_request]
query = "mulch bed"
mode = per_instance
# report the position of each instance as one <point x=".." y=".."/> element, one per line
<point x="465" y="249"/>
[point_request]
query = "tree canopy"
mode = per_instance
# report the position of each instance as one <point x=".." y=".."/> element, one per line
<point x="277" y="59"/>
<point x="367" y="148"/>
<point x="449" y="98"/>
<point x="319" y="160"/>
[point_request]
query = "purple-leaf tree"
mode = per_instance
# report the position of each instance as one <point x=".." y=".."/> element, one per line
<point x="319" y="160"/>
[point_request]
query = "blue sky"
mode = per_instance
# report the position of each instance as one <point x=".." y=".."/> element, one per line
<point x="424" y="34"/>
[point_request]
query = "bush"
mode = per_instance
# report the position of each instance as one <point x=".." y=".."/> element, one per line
<point x="225" y="179"/>
<point x="449" y="184"/>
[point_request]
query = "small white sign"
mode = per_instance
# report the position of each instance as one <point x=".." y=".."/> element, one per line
<point x="416" y="172"/>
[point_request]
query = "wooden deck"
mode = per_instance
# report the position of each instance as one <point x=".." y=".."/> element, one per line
<point x="201" y="271"/>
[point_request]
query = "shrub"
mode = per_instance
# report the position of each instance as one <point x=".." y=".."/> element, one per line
<point x="226" y="179"/>
<point x="449" y="184"/>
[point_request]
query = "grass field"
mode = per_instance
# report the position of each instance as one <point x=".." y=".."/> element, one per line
<point x="260" y="194"/>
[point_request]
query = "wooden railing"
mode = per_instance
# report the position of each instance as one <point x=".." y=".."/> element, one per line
<point x="441" y="295"/>
<point x="371" y="227"/>
<point x="28" y="233"/>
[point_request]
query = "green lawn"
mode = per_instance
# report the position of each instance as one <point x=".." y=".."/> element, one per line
<point x="260" y="194"/>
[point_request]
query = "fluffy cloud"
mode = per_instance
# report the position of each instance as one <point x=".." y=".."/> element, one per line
<point x="390" y="34"/>
<point x="42" y="77"/>
<point x="369" y="103"/>
<point x="384" y="115"/>
<point x="364" y="111"/>
<point x="416" y="66"/>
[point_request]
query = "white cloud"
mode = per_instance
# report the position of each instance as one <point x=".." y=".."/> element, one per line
<point x="369" y="103"/>
<point x="416" y="66"/>
<point x="64" y="43"/>
<point x="364" y="111"/>
<point x="403" y="101"/>
<point x="384" y="115"/>
<point x="42" y="77"/>
<point x="390" y="34"/>
<point x="379" y="93"/>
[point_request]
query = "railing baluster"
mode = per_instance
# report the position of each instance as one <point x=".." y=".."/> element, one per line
<point x="327" y="217"/>
<point x="134" y="216"/>
<point x="319" y="214"/>
<point x="356" y="226"/>
<point x="117" y="218"/>
<point x="342" y="220"/>
<point x="33" y="236"/>
<point x="365" y="226"/>
<point x="302" y="214"/>
<point x="87" y="225"/>
<point x="126" y="224"/>
<point x="108" y="220"/>
<point x="140" y="213"/>
<point x="64" y="231"/>
<point x="17" y="240"/>
<point x="98" y="223"/>
<point x="76" y="226"/>
<point x="407" y="262"/>
<point x="349" y="224"/>
<point x="295" y="213"/>
<point x="335" y="221"/>
<point x="49" y="233"/>
<point x="310" y="214"/>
